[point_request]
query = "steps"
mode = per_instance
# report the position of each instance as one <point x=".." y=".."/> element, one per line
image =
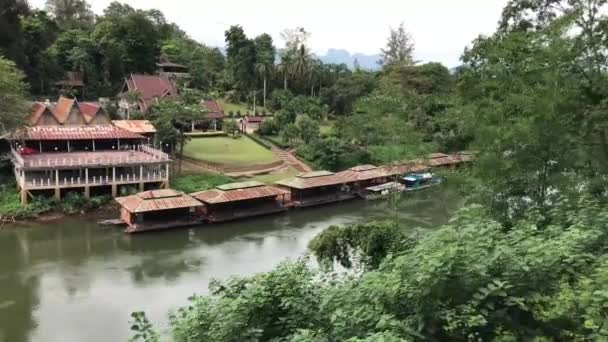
<point x="289" y="158"/>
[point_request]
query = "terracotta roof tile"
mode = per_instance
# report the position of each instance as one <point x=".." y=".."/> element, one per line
<point x="363" y="173"/>
<point x="75" y="133"/>
<point x="37" y="110"/>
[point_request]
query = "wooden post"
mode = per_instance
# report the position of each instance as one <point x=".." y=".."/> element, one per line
<point x="114" y="188"/>
<point x="93" y="145"/>
<point x="40" y="145"/>
<point x="68" y="146"/>
<point x="23" y="196"/>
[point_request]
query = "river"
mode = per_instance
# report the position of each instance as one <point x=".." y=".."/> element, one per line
<point x="75" y="281"/>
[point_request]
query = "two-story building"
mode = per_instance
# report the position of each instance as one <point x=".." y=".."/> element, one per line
<point x="74" y="146"/>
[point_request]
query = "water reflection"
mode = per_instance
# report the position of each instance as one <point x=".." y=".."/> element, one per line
<point x="75" y="281"/>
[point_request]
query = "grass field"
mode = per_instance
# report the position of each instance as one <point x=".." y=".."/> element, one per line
<point x="244" y="108"/>
<point x="326" y="127"/>
<point x="228" y="151"/>
<point x="275" y="176"/>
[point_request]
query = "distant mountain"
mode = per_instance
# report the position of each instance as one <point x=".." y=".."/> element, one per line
<point x="338" y="56"/>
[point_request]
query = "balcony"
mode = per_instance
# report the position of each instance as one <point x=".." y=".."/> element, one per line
<point x="141" y="155"/>
<point x="42" y="183"/>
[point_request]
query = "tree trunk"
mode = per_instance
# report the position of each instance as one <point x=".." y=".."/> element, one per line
<point x="285" y="81"/>
<point x="254" y="102"/>
<point x="181" y="152"/>
<point x="264" y="91"/>
<point x="312" y="90"/>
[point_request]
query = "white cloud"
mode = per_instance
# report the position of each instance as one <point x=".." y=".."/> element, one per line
<point x="441" y="28"/>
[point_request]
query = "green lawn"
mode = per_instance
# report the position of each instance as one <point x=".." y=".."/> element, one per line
<point x="275" y="176"/>
<point x="326" y="127"/>
<point x="235" y="107"/>
<point x="228" y="151"/>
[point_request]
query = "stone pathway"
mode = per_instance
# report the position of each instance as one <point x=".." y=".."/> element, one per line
<point x="289" y="158"/>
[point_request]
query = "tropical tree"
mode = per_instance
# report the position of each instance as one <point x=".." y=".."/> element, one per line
<point x="12" y="96"/>
<point x="265" y="55"/>
<point x="399" y="48"/>
<point x="71" y="14"/>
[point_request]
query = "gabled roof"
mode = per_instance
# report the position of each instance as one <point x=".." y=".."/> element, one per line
<point x="72" y="79"/>
<point x="37" y="109"/>
<point x="63" y="108"/>
<point x="238" y="192"/>
<point x="405" y="167"/>
<point x="157" y="200"/>
<point x="363" y="173"/>
<point x="214" y="111"/>
<point x="151" y="87"/>
<point x="313" y="180"/>
<point x="89" y="110"/>
<point x="136" y="126"/>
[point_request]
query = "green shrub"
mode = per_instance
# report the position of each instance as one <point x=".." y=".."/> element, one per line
<point x="190" y="183"/>
<point x="74" y="203"/>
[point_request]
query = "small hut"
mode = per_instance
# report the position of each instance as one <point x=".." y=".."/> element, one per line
<point x="441" y="160"/>
<point x="316" y="188"/>
<point x="159" y="209"/>
<point x="360" y="177"/>
<point x="239" y="200"/>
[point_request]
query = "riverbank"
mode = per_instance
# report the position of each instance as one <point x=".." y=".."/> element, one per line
<point x="99" y="275"/>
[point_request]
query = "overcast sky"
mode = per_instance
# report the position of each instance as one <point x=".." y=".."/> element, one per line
<point x="441" y="28"/>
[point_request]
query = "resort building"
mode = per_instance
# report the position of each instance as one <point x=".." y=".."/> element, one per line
<point x="159" y="209"/>
<point x="360" y="177"/>
<point x="141" y="127"/>
<point x="316" y="188"/>
<point x="212" y="117"/>
<point x="250" y="124"/>
<point x="172" y="70"/>
<point x="74" y="146"/>
<point x="147" y="90"/>
<point x="399" y="169"/>
<point x="238" y="200"/>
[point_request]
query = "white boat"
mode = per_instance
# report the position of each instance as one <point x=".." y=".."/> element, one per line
<point x="381" y="191"/>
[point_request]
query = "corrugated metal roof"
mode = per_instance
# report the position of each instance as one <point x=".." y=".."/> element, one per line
<point x="157" y="200"/>
<point x="405" y="167"/>
<point x="363" y="173"/>
<point x="99" y="132"/>
<point x="136" y="126"/>
<point x="313" y="180"/>
<point x="441" y="159"/>
<point x="235" y="192"/>
<point x="242" y="185"/>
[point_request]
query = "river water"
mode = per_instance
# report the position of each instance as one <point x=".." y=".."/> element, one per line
<point x="76" y="281"/>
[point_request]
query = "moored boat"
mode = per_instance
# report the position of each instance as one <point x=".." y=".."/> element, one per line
<point x="382" y="191"/>
<point x="420" y="181"/>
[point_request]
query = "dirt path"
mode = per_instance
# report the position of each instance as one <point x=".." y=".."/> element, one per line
<point x="289" y="158"/>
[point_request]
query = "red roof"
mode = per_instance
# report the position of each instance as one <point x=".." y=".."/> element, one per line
<point x="254" y="119"/>
<point x="136" y="126"/>
<point x="89" y="110"/>
<point x="363" y="173"/>
<point x="214" y="111"/>
<point x="238" y="192"/>
<point x="405" y="167"/>
<point x="98" y="132"/>
<point x="37" y="110"/>
<point x="63" y="108"/>
<point x="157" y="200"/>
<point x="151" y="87"/>
<point x="315" y="179"/>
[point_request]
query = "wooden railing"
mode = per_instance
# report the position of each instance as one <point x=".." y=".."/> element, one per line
<point x="50" y="182"/>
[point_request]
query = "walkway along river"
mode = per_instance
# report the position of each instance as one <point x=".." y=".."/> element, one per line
<point x="75" y="281"/>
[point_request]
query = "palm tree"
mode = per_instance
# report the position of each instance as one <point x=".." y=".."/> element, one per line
<point x="301" y="61"/>
<point x="263" y="70"/>
<point x="315" y="73"/>
<point x="285" y="68"/>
